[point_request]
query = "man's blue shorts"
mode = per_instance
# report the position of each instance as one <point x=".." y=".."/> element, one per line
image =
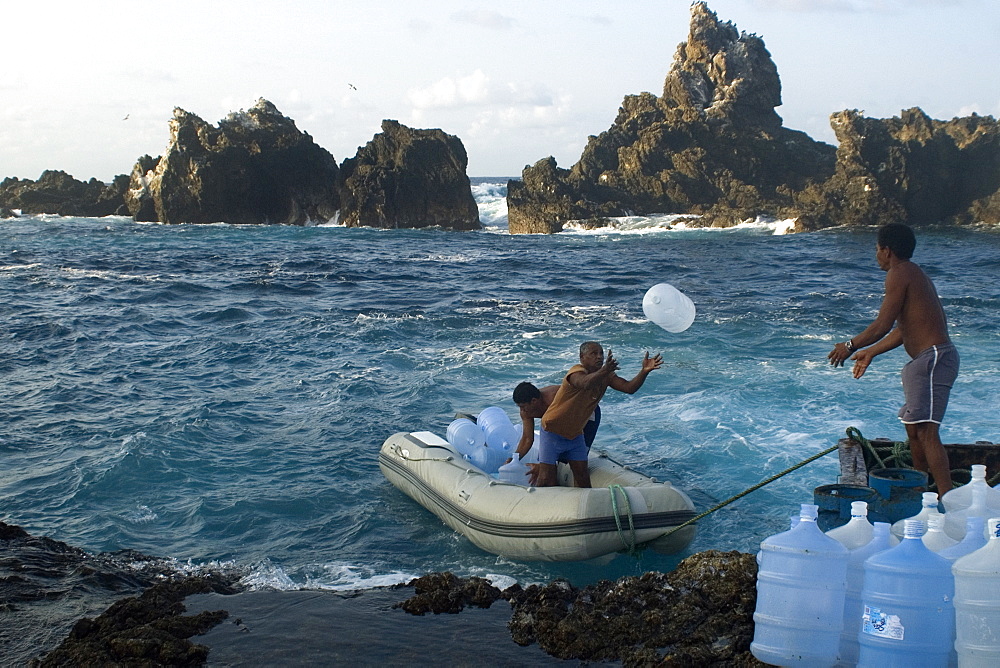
<point x="553" y="448"/>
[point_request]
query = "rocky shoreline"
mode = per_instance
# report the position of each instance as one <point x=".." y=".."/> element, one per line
<point x="699" y="614"/>
<point x="710" y="146"/>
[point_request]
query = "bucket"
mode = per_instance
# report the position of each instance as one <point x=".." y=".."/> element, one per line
<point x="899" y="490"/>
<point x="835" y="501"/>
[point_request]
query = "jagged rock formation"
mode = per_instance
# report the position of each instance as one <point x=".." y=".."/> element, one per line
<point x="255" y="167"/>
<point x="907" y="168"/>
<point x="712" y="145"/>
<point x="712" y="140"/>
<point x="409" y="178"/>
<point x="59" y="193"/>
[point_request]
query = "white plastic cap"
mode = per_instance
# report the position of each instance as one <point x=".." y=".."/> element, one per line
<point x="979" y="471"/>
<point x="809" y="512"/>
<point x="859" y="509"/>
<point x="930" y="499"/>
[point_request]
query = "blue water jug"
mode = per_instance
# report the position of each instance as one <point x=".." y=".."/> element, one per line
<point x="487" y="459"/>
<point x="464" y="435"/>
<point x="977" y="603"/>
<point x="800" y="596"/>
<point x="882" y="539"/>
<point x="974" y="539"/>
<point x="908" y="620"/>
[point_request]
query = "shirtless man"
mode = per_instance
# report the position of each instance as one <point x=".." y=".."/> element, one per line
<point x="563" y="422"/>
<point x="532" y="403"/>
<point x="912" y="303"/>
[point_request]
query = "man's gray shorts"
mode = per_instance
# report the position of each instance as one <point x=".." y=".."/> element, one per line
<point x="927" y="381"/>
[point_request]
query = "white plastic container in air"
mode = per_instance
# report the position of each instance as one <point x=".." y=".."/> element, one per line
<point x="800" y="596"/>
<point x="977" y="604"/>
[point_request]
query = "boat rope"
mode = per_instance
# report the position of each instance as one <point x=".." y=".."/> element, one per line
<point x="896" y="454"/>
<point x="751" y="489"/>
<point x="398" y="450"/>
<point x="629" y="542"/>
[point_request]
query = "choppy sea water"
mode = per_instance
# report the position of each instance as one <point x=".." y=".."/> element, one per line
<point x="217" y="394"/>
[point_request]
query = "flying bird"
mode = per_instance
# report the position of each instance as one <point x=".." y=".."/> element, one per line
<point x="126" y="117"/>
<point x="351" y="86"/>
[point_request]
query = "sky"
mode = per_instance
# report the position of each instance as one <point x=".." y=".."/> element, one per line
<point x="89" y="87"/>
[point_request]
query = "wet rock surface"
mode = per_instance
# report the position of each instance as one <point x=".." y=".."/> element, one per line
<point x="146" y="630"/>
<point x="255" y="167"/>
<point x="57" y="192"/>
<point x="701" y="614"/>
<point x="412" y="178"/>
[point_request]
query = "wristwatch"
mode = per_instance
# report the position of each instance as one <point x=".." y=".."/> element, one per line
<point x="850" y="346"/>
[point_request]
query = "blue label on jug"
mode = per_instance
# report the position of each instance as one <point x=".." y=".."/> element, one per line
<point x="877" y="623"/>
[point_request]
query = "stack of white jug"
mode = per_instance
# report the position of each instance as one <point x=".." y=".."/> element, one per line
<point x="897" y="601"/>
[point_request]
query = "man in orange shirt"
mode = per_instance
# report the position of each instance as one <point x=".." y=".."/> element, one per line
<point x="561" y="436"/>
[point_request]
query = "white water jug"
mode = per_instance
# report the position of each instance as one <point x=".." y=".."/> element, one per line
<point x="977" y="603"/>
<point x="935" y="538"/>
<point x="961" y="497"/>
<point x="928" y="507"/>
<point x="514" y="471"/>
<point x="858" y="531"/>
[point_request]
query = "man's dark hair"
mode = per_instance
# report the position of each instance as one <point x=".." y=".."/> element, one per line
<point x="898" y="238"/>
<point x="525" y="392"/>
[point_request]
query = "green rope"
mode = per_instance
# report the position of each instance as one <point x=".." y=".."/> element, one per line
<point x="630" y="543"/>
<point x="751" y="489"/>
<point x="897" y="455"/>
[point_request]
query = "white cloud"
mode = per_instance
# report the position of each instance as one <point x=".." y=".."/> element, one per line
<point x="485" y="18"/>
<point x="472" y="89"/>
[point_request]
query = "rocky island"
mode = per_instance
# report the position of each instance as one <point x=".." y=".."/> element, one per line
<point x="713" y="146"/>
<point x="257" y="167"/>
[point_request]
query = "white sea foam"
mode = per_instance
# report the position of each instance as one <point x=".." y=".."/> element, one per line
<point x="673" y="222"/>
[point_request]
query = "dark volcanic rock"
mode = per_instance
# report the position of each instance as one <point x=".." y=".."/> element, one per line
<point x="698" y="615"/>
<point x="409" y="178"/>
<point x="445" y="592"/>
<point x="713" y="146"/>
<point x="57" y="192"/>
<point x="256" y="167"/>
<point x="908" y="168"/>
<point x="711" y="142"/>
<point x="146" y="630"/>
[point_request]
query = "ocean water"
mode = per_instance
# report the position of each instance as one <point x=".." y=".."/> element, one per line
<point x="217" y="394"/>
